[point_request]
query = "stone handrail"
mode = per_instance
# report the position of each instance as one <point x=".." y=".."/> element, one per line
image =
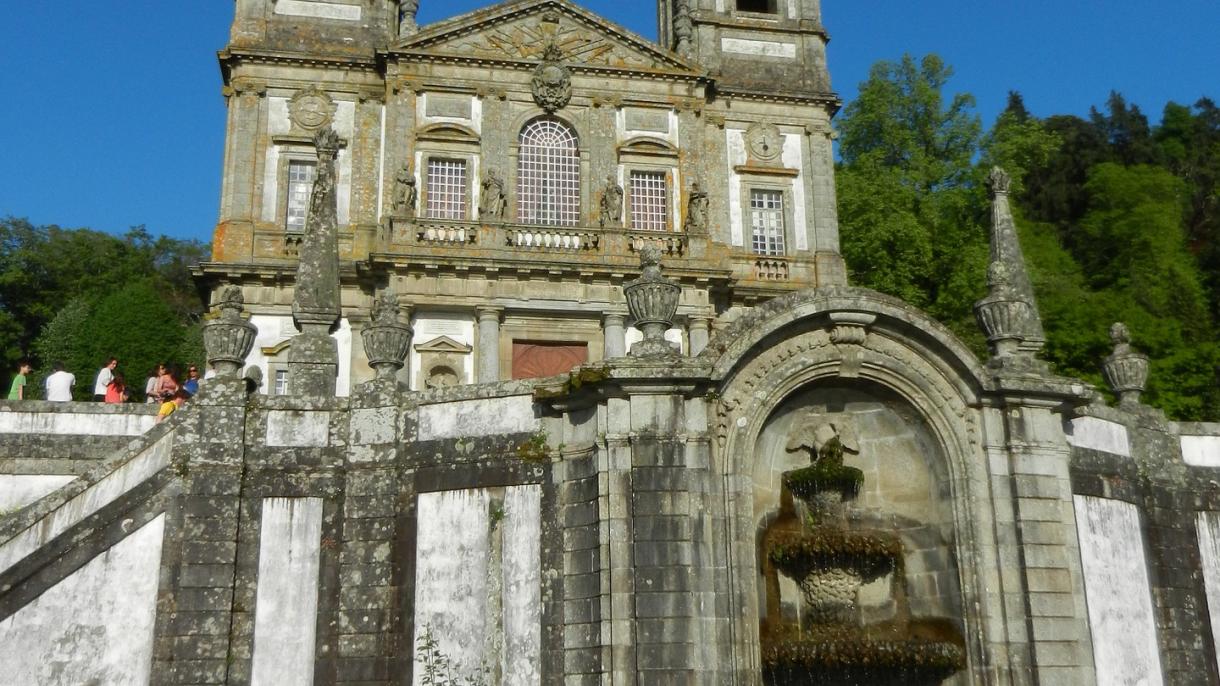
<point x="75" y="418"/>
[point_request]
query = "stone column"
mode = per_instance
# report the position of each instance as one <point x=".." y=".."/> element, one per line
<point x="489" y="343"/>
<point x="614" y="329"/>
<point x="699" y="329"/>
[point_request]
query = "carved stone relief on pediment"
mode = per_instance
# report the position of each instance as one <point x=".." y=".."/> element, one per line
<point x="526" y="37"/>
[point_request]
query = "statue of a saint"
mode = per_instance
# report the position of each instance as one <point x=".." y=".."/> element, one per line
<point x="405" y="193"/>
<point x="696" y="210"/>
<point x="612" y="203"/>
<point x="492" y="200"/>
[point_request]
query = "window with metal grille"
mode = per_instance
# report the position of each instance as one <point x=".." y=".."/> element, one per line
<point x="649" y="200"/>
<point x="767" y="222"/>
<point x="300" y="186"/>
<point x="446" y="189"/>
<point x="548" y="175"/>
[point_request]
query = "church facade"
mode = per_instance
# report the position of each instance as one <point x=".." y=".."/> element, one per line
<point x="537" y="364"/>
<point x="501" y="170"/>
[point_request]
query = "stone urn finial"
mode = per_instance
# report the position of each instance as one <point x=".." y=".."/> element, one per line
<point x="227" y="336"/>
<point x="1125" y="369"/>
<point x="653" y="300"/>
<point x="386" y="339"/>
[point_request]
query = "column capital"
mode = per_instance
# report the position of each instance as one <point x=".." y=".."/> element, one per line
<point x="618" y="317"/>
<point x="488" y="312"/>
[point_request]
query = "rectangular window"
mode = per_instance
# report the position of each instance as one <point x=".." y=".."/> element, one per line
<point x="300" y="185"/>
<point x="767" y="222"/>
<point x="649" y="200"/>
<point x="281" y="382"/>
<point x="446" y="189"/>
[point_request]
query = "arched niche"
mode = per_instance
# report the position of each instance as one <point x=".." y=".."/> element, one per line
<point x="876" y="350"/>
<point x="905" y="491"/>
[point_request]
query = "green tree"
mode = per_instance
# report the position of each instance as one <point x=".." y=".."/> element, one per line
<point x="909" y="198"/>
<point x="41" y="268"/>
<point x="64" y="340"/>
<point x="136" y="325"/>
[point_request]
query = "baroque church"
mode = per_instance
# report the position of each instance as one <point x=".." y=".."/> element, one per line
<point x="537" y="364"/>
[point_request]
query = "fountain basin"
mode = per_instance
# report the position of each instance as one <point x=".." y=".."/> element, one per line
<point x="846" y="657"/>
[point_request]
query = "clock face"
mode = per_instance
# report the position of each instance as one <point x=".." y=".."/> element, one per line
<point x="765" y="141"/>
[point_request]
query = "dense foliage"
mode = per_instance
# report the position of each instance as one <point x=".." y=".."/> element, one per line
<point x="1119" y="221"/>
<point x="78" y="296"/>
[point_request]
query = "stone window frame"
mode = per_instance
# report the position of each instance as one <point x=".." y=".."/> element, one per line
<point x="447" y="142"/>
<point x="288" y="155"/>
<point x="647" y="154"/>
<point x="424" y="158"/>
<point x="423" y="206"/>
<point x="671" y="175"/>
<point x="776" y="11"/>
<point x="587" y="211"/>
<point x="748" y="186"/>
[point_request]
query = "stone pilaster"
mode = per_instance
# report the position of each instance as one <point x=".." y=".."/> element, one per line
<point x="488" y="344"/>
<point x="196" y="612"/>
<point x="1041" y="541"/>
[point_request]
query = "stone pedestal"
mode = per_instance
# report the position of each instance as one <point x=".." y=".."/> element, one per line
<point x="313" y="365"/>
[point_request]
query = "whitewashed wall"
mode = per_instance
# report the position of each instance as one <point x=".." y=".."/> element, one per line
<point x="286" y="604"/>
<point x="1118" y="593"/>
<point x="478" y="583"/>
<point x="95" y="626"/>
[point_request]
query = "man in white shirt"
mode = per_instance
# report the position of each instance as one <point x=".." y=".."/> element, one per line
<point x="104" y="376"/>
<point x="59" y="385"/>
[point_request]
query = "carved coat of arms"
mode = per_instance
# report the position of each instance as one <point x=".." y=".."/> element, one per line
<point x="552" y="83"/>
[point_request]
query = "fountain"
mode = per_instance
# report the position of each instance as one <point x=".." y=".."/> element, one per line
<point x="810" y="542"/>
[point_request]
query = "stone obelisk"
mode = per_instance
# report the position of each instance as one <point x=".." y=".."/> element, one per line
<point x="313" y="359"/>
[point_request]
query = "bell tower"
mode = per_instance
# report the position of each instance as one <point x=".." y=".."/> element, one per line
<point x="765" y="46"/>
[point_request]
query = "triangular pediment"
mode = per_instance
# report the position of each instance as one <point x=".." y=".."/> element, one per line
<point x="442" y="344"/>
<point x="520" y="31"/>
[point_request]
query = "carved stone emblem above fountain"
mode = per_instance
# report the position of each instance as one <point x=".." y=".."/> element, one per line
<point x="552" y="82"/>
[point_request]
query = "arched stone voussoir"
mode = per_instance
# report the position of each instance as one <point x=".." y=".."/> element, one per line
<point x="828" y="308"/>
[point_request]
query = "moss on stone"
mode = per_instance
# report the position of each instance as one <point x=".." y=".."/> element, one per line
<point x="870" y="554"/>
<point x="846" y="657"/>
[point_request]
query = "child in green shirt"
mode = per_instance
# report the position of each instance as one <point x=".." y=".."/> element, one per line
<point x="17" y="390"/>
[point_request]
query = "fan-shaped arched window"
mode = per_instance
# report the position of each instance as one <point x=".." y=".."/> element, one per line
<point x="548" y="174"/>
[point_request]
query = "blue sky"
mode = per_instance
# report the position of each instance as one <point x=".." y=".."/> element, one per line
<point x="113" y="115"/>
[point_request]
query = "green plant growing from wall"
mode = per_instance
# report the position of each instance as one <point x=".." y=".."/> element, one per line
<point x="437" y="666"/>
<point x="534" y="448"/>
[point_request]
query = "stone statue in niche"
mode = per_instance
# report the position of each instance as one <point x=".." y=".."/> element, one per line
<point x="405" y="193"/>
<point x="696" y="210"/>
<point x="552" y="82"/>
<point x="492" y="200"/>
<point x="406" y="17"/>
<point x="611" y="204"/>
